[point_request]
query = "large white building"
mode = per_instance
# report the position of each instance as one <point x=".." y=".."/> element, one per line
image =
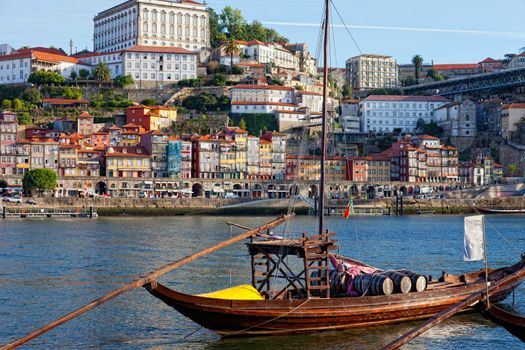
<point x="458" y="119"/>
<point x="165" y="23"/>
<point x="16" y="67"/>
<point x="389" y="112"/>
<point x="365" y="72"/>
<point x="149" y="66"/>
<point x="262" y="98"/>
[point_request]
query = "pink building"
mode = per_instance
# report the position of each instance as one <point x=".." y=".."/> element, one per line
<point x="85" y="124"/>
<point x="8" y="130"/>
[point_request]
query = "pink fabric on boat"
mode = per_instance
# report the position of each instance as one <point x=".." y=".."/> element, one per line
<point x="351" y="270"/>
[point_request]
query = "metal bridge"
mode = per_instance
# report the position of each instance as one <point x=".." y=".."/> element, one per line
<point x="505" y="79"/>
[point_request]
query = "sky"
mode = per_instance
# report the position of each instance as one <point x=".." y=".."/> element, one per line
<point x="445" y="31"/>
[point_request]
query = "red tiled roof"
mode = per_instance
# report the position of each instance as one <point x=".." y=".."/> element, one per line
<point x="93" y="54"/>
<point x="439" y="67"/>
<point x="406" y="98"/>
<point x="310" y="93"/>
<point x="39" y="55"/>
<point x="426" y="137"/>
<point x="490" y="60"/>
<point x="159" y="49"/>
<point x="514" y="105"/>
<point x="252" y="65"/>
<point x="263" y="87"/>
<point x="85" y="115"/>
<point x="63" y="101"/>
<point x="297" y="112"/>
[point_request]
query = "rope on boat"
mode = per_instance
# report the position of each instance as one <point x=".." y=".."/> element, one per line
<point x="273" y="319"/>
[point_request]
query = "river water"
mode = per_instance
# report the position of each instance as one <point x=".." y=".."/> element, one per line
<point x="50" y="267"/>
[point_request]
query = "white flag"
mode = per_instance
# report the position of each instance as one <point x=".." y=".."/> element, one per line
<point x="474" y="238"/>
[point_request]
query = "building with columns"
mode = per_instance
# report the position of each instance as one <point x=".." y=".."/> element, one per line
<point x="165" y="23"/>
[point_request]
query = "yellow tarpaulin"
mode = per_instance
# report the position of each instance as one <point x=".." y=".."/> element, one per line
<point x="244" y="292"/>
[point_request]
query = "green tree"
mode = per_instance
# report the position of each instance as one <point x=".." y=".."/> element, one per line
<point x="45" y="77"/>
<point x="347" y="90"/>
<point x="213" y="19"/>
<point x="242" y="124"/>
<point x="149" y="102"/>
<point x="124" y="80"/>
<point x="233" y="23"/>
<point x="231" y="48"/>
<point x="32" y="96"/>
<point x="417" y="61"/>
<point x="219" y="79"/>
<point x="18" y="105"/>
<point x="39" y="180"/>
<point x="432" y="73"/>
<point x="513" y="169"/>
<point x="7" y="104"/>
<point x="237" y="70"/>
<point x="73" y="75"/>
<point x="73" y="93"/>
<point x="24" y="119"/>
<point x="83" y="73"/>
<point x="102" y="72"/>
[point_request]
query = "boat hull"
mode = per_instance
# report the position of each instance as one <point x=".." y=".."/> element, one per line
<point x="272" y="317"/>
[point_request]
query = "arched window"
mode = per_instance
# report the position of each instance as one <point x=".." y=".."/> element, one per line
<point x="187" y="31"/>
<point x="163" y="28"/>
<point x="195" y="32"/>
<point x="172" y="29"/>
<point x="179" y="31"/>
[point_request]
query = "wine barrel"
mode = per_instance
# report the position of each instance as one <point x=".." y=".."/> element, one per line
<point x="419" y="282"/>
<point x="402" y="283"/>
<point x="373" y="284"/>
<point x="337" y="281"/>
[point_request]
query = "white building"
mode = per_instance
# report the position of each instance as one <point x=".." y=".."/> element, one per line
<point x="349" y="117"/>
<point x="365" y="72"/>
<point x="389" y="112"/>
<point x="271" y="53"/>
<point x="149" y="66"/>
<point x="6" y="49"/>
<point x="517" y="61"/>
<point x="165" y="23"/>
<point x="511" y="115"/>
<point x="458" y="119"/>
<point x="16" y="67"/>
<point x="262" y="98"/>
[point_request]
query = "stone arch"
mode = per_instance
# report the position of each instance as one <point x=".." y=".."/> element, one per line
<point x="371" y="192"/>
<point x="101" y="188"/>
<point x="197" y="190"/>
<point x="354" y="191"/>
<point x="294" y="190"/>
<point x="257" y="191"/>
<point x="404" y="190"/>
<point x="410" y="190"/>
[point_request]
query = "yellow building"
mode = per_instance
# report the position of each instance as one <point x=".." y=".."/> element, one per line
<point x="128" y="162"/>
<point x="265" y="164"/>
<point x="67" y="160"/>
<point x="227" y="159"/>
<point x="378" y="167"/>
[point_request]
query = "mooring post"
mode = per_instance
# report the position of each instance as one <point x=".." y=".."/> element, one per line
<point x="401" y="206"/>
<point x="91" y="212"/>
<point x="4" y="212"/>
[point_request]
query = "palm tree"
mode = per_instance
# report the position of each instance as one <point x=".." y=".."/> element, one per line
<point x="417" y="61"/>
<point x="231" y="48"/>
<point x="102" y="72"/>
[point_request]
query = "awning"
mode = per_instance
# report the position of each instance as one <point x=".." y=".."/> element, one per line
<point x="218" y="190"/>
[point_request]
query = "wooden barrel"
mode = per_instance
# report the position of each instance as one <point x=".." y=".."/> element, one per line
<point x="337" y="281"/>
<point x="419" y="282"/>
<point x="373" y="284"/>
<point x="402" y="283"/>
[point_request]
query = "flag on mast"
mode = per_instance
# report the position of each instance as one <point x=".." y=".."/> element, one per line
<point x="474" y="238"/>
<point x="349" y="209"/>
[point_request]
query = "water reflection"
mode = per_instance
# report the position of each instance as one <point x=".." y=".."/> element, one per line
<point x="50" y="267"/>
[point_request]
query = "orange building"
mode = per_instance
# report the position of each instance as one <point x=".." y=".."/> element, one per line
<point x="151" y="118"/>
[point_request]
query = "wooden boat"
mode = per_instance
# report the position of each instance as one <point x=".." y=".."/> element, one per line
<point x="291" y="315"/>
<point x="501" y="211"/>
<point x="305" y="300"/>
<point x="513" y="323"/>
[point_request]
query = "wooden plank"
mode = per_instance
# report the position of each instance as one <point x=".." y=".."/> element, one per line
<point x="142" y="281"/>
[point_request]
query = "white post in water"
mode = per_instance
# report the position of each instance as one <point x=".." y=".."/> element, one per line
<point x="486" y="261"/>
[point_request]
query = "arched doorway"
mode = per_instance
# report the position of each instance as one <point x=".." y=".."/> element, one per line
<point x="272" y="193"/>
<point x="314" y="192"/>
<point x="197" y="190"/>
<point x="371" y="192"/>
<point x="294" y="190"/>
<point x="404" y="190"/>
<point x="101" y="188"/>
<point x="3" y="185"/>
<point x="257" y="191"/>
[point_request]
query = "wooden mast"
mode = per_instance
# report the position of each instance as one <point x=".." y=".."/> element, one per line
<point x="325" y="118"/>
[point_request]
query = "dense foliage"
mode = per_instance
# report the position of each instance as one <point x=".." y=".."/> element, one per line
<point x="256" y="122"/>
<point x="45" y="77"/>
<point x="68" y="92"/>
<point x="39" y="179"/>
<point x="191" y="82"/>
<point x="206" y="101"/>
<point x="124" y="80"/>
<point x="232" y="22"/>
<point x="429" y="128"/>
<point x="202" y="126"/>
<point x="108" y="99"/>
<point x="149" y="102"/>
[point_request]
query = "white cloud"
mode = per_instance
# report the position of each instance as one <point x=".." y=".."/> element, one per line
<point x="410" y="29"/>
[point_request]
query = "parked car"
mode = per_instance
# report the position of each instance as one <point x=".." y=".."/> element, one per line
<point x="231" y="195"/>
<point x="13" y="199"/>
<point x="31" y="202"/>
